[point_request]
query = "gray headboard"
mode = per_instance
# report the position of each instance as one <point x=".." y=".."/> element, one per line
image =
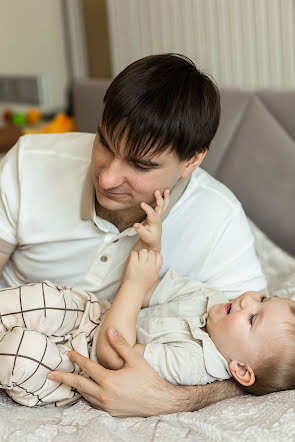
<point x="253" y="152"/>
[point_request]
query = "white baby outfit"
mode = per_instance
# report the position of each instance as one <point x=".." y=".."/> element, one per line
<point x="42" y="321"/>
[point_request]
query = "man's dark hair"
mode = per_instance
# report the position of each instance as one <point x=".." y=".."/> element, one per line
<point x="162" y="102"/>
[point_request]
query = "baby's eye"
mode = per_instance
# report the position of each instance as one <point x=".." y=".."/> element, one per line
<point x="252" y="319"/>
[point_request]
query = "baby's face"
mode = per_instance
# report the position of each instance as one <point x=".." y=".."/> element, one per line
<point x="249" y="327"/>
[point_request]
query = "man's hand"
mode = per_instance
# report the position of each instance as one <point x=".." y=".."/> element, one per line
<point x="136" y="389"/>
<point x="150" y="231"/>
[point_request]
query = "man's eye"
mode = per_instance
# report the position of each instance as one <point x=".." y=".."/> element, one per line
<point x="262" y="298"/>
<point x="104" y="144"/>
<point x="252" y="319"/>
<point x="142" y="169"/>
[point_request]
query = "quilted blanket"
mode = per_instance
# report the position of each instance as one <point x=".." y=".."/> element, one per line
<point x="245" y="418"/>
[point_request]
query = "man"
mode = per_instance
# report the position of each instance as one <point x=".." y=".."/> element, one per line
<point x="65" y="221"/>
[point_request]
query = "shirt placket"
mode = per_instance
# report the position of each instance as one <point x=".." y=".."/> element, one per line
<point x="107" y="257"/>
<point x="103" y="261"/>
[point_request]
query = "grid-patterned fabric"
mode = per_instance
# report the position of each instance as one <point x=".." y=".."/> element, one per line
<point x="39" y="323"/>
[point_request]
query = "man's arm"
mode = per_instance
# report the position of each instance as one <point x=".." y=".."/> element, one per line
<point x="137" y="389"/>
<point x="4" y="258"/>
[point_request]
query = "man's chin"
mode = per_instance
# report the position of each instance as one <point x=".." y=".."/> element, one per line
<point x="113" y="203"/>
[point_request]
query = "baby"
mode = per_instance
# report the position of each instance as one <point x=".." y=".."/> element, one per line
<point x="185" y="329"/>
<point x="188" y="335"/>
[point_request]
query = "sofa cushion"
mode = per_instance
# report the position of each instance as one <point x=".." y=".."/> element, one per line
<point x="259" y="167"/>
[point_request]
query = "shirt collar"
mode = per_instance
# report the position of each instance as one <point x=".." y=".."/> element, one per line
<point x="87" y="206"/>
<point x="87" y="197"/>
<point x="216" y="364"/>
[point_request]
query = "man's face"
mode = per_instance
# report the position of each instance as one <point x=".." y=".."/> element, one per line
<point x="123" y="183"/>
<point x="250" y="327"/>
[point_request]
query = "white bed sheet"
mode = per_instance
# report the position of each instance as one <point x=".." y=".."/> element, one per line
<point x="245" y="418"/>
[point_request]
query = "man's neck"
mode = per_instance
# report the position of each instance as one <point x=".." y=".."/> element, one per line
<point x="122" y="219"/>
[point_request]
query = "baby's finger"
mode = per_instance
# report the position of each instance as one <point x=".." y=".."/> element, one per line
<point x="133" y="256"/>
<point x="142" y="232"/>
<point x="143" y="256"/>
<point x="151" y="215"/>
<point x="159" y="259"/>
<point x="166" y="199"/>
<point x="152" y="254"/>
<point x="159" y="201"/>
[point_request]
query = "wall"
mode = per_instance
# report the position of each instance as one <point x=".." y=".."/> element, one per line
<point x="247" y="43"/>
<point x="97" y="37"/>
<point x="32" y="41"/>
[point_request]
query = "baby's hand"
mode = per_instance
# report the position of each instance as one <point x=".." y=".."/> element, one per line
<point x="143" y="268"/>
<point x="150" y="231"/>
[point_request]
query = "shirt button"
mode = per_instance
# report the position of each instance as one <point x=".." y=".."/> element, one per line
<point x="104" y="258"/>
<point x="184" y="324"/>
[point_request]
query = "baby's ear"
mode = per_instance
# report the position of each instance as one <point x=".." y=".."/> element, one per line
<point x="242" y="373"/>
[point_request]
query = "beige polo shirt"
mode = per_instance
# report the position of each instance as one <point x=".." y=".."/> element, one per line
<point x="48" y="221"/>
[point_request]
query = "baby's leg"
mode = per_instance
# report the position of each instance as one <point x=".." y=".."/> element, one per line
<point x="26" y="357"/>
<point x="48" y="308"/>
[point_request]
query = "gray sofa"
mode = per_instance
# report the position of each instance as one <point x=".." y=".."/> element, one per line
<point x="253" y="152"/>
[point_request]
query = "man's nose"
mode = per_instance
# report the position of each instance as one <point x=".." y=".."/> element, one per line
<point x="111" y="176"/>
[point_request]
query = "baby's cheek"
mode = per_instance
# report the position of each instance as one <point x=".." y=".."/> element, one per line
<point x="232" y="325"/>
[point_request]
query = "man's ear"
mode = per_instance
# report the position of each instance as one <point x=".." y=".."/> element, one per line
<point x="193" y="163"/>
<point x="242" y="373"/>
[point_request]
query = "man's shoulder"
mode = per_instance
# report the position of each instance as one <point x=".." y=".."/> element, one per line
<point x="206" y="195"/>
<point x="72" y="144"/>
<point x="204" y="183"/>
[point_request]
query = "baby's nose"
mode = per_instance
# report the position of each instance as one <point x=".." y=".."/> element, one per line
<point x="247" y="300"/>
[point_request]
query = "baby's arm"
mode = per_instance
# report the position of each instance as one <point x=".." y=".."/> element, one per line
<point x="141" y="274"/>
<point x="150" y="231"/>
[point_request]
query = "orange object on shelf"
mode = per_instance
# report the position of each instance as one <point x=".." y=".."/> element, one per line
<point x="33" y="115"/>
<point x="61" y="123"/>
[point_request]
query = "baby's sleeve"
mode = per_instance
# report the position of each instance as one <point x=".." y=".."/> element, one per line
<point x="180" y="363"/>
